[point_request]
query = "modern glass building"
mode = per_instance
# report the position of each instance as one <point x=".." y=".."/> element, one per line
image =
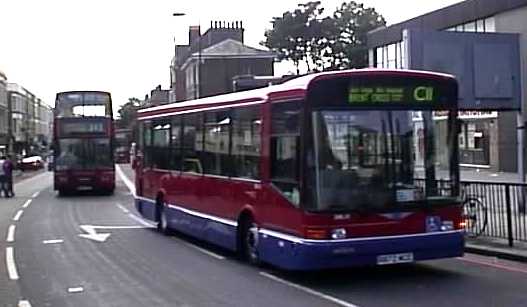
<point x="488" y="139"/>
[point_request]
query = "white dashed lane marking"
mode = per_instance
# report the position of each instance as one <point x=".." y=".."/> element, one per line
<point x="27" y="203"/>
<point x="75" y="290"/>
<point x="18" y="215"/>
<point x="11" y="234"/>
<point x="308" y="290"/>
<point x="10" y="263"/>
<point x="53" y="241"/>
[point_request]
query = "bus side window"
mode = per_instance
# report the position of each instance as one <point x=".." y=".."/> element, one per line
<point x="176" y="153"/>
<point x="192" y="143"/>
<point x="161" y="144"/>
<point x="147" y="144"/>
<point x="245" y="142"/>
<point x="285" y="148"/>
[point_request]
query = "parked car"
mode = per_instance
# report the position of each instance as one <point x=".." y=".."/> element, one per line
<point x="31" y="163"/>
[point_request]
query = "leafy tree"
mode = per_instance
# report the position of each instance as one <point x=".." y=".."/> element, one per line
<point x="353" y="22"/>
<point x="324" y="43"/>
<point x="128" y="113"/>
<point x="294" y="34"/>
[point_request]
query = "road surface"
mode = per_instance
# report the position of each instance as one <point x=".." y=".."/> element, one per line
<point x="89" y="250"/>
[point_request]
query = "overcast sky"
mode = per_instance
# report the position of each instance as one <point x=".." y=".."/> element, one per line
<point x="125" y="47"/>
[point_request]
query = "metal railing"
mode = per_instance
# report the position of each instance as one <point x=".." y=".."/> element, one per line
<point x="503" y="213"/>
<point x="492" y="209"/>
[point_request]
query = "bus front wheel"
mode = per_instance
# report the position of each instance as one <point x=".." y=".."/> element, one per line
<point x="63" y="192"/>
<point x="249" y="241"/>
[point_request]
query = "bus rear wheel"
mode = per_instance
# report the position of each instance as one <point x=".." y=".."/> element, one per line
<point x="162" y="221"/>
<point x="249" y="242"/>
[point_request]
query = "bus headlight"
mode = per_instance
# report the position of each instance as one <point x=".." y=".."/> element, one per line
<point x="338" y="233"/>
<point x="447" y="226"/>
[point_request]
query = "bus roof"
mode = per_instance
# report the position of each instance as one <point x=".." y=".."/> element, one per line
<point x="292" y="89"/>
<point x="73" y="92"/>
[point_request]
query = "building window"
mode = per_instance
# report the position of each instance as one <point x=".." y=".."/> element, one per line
<point x="470" y="27"/>
<point x="379" y="57"/>
<point x="490" y="24"/>
<point x="480" y="25"/>
<point x="392" y="56"/>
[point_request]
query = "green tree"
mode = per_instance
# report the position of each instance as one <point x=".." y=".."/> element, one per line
<point x="128" y="113"/>
<point x="324" y="43"/>
<point x="295" y="34"/>
<point x="353" y="22"/>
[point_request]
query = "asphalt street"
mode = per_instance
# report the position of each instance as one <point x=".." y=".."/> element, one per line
<point x="89" y="250"/>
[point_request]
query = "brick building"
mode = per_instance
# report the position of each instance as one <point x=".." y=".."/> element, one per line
<point x="207" y="66"/>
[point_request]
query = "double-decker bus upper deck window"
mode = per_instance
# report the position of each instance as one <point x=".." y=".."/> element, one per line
<point x="83" y="104"/>
<point x="285" y="147"/>
<point x="192" y="143"/>
<point x="216" y="151"/>
<point x="245" y="141"/>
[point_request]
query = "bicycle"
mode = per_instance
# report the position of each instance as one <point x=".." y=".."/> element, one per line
<point x="475" y="213"/>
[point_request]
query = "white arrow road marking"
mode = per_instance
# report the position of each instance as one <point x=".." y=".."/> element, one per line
<point x="24" y="304"/>
<point x="92" y="234"/>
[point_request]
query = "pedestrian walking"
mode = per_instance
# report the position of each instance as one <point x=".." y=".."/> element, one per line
<point x="8" y="171"/>
<point x="3" y="178"/>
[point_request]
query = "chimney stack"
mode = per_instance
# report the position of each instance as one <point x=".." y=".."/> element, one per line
<point x="193" y="34"/>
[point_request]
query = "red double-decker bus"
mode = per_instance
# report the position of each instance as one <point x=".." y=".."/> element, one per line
<point x="327" y="170"/>
<point x="83" y="142"/>
<point x="123" y="143"/>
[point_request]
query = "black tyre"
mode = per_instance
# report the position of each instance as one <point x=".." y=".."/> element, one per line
<point x="108" y="192"/>
<point x="249" y="242"/>
<point x="162" y="221"/>
<point x="475" y="214"/>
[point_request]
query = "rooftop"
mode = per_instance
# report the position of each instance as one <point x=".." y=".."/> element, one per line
<point x="447" y="17"/>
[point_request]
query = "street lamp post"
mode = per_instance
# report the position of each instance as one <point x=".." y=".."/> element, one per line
<point x="175" y="64"/>
<point x="197" y="88"/>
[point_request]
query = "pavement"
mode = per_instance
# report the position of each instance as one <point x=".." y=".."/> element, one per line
<point x="468" y="174"/>
<point x="497" y="248"/>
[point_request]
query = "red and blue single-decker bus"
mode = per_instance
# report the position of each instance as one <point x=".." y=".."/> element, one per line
<point x="328" y="170"/>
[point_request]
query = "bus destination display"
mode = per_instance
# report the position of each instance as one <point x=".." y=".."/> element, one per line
<point x="374" y="95"/>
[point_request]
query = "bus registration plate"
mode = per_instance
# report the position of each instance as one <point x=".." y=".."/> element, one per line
<point x="395" y="258"/>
